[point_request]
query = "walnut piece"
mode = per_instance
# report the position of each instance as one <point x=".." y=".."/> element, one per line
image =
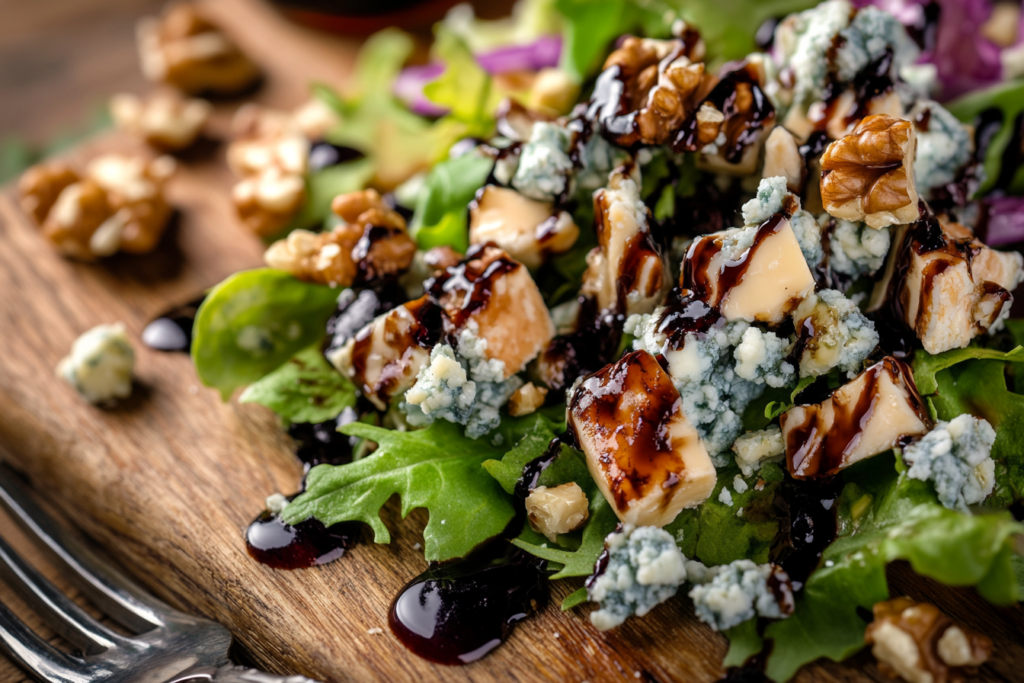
<point x="919" y="643"/>
<point x="868" y="175"/>
<point x="184" y="49"/>
<point x="557" y="510"/>
<point x="164" y="121"/>
<point x="782" y="158"/>
<point x="526" y="399"/>
<point x="373" y="245"/>
<point x="118" y="205"/>
<point x="657" y="82"/>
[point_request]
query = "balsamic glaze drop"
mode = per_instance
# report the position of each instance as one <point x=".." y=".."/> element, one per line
<point x="807" y="524"/>
<point x="321" y="443"/>
<point x="457" y="613"/>
<point x="172" y="331"/>
<point x="282" y="546"/>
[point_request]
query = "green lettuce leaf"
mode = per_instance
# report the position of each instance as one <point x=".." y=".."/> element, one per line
<point x="321" y="189"/>
<point x="926" y="365"/>
<point x="728" y="26"/>
<point x="568" y="466"/>
<point x="979" y="387"/>
<point x="580" y="562"/>
<point x="436" y="468"/>
<point x="442" y="210"/>
<point x="885" y="516"/>
<point x="464" y="88"/>
<point x="744" y="643"/>
<point x="714" y="534"/>
<point x="253" y="322"/>
<point x="575" y="599"/>
<point x="1008" y="98"/>
<point x="304" y="389"/>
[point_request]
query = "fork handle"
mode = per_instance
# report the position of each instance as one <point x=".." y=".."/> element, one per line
<point x="229" y="673"/>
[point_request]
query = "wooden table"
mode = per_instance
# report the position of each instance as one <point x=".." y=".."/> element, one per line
<point x="167" y="481"/>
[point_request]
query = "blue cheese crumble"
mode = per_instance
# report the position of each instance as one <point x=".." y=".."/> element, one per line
<point x="739" y="591"/>
<point x="545" y="168"/>
<point x="770" y="199"/>
<point x="465" y="387"/>
<point x="834" y="334"/>
<point x="804" y="40"/>
<point x="645" y="568"/>
<point x="854" y="248"/>
<point x="956" y="457"/>
<point x="871" y="33"/>
<point x="761" y="358"/>
<point x="100" y="364"/>
<point x="942" y="150"/>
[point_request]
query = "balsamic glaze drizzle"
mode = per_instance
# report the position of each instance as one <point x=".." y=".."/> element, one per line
<point x="172" y="330"/>
<point x="283" y="546"/>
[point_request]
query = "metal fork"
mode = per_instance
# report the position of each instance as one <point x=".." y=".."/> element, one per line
<point x="171" y="646"/>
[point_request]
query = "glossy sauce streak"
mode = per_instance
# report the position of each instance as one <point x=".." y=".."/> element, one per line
<point x="282" y="546"/>
<point x="466" y="288"/>
<point x="323" y="154"/>
<point x="592" y="346"/>
<point x="321" y="443"/>
<point x="631" y="436"/>
<point x="457" y="613"/>
<point x="172" y="331"/>
<point x="806" y="510"/>
<point x="685" y="314"/>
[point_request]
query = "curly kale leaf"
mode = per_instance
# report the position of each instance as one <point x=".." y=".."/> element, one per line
<point x="885" y="516"/>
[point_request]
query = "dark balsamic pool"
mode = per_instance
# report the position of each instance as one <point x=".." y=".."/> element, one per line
<point x="282" y="546"/>
<point x="457" y="613"/>
<point x="172" y="331"/>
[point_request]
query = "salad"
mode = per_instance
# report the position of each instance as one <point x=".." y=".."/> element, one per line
<point x="698" y="301"/>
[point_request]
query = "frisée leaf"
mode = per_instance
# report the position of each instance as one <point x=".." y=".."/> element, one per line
<point x="304" y="389"/>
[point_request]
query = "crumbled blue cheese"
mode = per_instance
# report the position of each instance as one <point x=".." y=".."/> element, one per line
<point x="761" y="358"/>
<point x="808" y="235"/>
<point x="725" y="496"/>
<point x="739" y="484"/>
<point x="736" y="592"/>
<point x="703" y="370"/>
<point x="842" y="336"/>
<point x="803" y="42"/>
<point x="644" y="569"/>
<point x="854" y="248"/>
<point x="545" y="168"/>
<point x="276" y="503"/>
<point x="464" y="387"/>
<point x="771" y="193"/>
<point x="753" y="449"/>
<point x="942" y="150"/>
<point x="596" y="158"/>
<point x="956" y="457"/>
<point x="100" y="364"/>
<point x="871" y="33"/>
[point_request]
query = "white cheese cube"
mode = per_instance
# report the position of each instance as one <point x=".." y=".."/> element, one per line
<point x="529" y="230"/>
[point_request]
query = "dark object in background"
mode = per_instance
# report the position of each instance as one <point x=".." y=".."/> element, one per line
<point x="364" y="16"/>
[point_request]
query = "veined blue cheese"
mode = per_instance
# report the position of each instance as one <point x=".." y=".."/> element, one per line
<point x="956" y="457"/>
<point x="545" y="168"/>
<point x="739" y="591"/>
<point x="100" y="364"/>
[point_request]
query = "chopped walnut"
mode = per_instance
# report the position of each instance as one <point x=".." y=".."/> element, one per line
<point x="919" y="643"/>
<point x="40" y="186"/>
<point x="868" y="175"/>
<point x="266" y="203"/>
<point x="371" y="245"/>
<point x="658" y="82"/>
<point x="526" y="399"/>
<point x="557" y="510"/>
<point x="164" y="121"/>
<point x="782" y="158"/>
<point x="184" y="49"/>
<point x="117" y="205"/>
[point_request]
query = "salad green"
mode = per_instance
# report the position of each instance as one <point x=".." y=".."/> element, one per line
<point x="660" y="251"/>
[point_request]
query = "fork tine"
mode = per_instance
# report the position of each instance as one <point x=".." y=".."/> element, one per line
<point x="42" y="660"/>
<point x="105" y="586"/>
<point x="61" y="613"/>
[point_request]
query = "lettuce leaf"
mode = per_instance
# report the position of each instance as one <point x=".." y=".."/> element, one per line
<point x="254" y="321"/>
<point x="437" y="468"/>
<point x="443" y="206"/>
<point x="305" y="389"/>
<point x="1008" y="98"/>
<point x="323" y="186"/>
<point x="464" y="88"/>
<point x="715" y="534"/>
<point x="979" y="387"/>
<point x="885" y="516"/>
<point x="579" y="562"/>
<point x="927" y="365"/>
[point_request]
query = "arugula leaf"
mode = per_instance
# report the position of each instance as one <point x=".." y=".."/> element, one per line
<point x="254" y="321"/>
<point x="568" y="466"/>
<point x="756" y="414"/>
<point x="305" y="389"/>
<point x="441" y="212"/>
<point x="580" y="562"/>
<point x="728" y="26"/>
<point x="1008" y="98"/>
<point x="979" y="387"/>
<point x="715" y="534"/>
<point x="926" y="365"/>
<point x="901" y="521"/>
<point x="575" y="599"/>
<point x="437" y="468"/>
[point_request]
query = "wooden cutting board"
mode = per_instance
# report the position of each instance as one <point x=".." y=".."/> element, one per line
<point x="167" y="481"/>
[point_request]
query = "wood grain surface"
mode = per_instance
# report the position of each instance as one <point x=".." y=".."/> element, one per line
<point x="167" y="481"/>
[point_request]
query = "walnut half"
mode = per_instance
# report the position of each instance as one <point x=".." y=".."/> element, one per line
<point x="557" y="510"/>
<point x="164" y="121"/>
<point x="371" y="245"/>
<point x="869" y="174"/>
<point x="919" y="643"/>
